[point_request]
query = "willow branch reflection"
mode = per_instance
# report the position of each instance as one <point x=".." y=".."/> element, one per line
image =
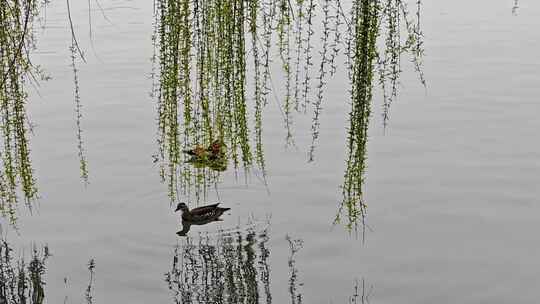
<point x="88" y="293"/>
<point x="22" y="282"/>
<point x="228" y="268"/>
<point x="233" y="267"/>
<point x="294" y="246"/>
<point x="360" y="294"/>
<point x="264" y="268"/>
<point x="515" y="7"/>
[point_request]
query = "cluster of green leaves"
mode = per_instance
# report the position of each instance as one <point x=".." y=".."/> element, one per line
<point x="16" y="73"/>
<point x="22" y="282"/>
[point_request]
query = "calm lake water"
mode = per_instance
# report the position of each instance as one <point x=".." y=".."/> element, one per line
<point x="452" y="187"/>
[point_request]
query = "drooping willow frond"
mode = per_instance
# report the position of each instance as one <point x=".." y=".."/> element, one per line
<point x="202" y="93"/>
<point x="372" y="19"/>
<point x="16" y="71"/>
<point x="215" y="66"/>
<point x="365" y="20"/>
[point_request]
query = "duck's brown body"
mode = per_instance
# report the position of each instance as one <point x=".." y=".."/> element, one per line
<point x="199" y="216"/>
<point x="205" y="214"/>
<point x="214" y="150"/>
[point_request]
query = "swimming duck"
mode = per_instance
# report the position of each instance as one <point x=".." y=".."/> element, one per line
<point x="201" y="215"/>
<point x="214" y="150"/>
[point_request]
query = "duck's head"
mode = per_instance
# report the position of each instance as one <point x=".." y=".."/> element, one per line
<point x="181" y="206"/>
<point x="216" y="146"/>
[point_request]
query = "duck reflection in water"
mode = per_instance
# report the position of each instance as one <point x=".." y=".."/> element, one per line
<point x="198" y="216"/>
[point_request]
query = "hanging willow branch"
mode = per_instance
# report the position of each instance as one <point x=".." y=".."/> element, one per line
<point x="76" y="52"/>
<point x="215" y="56"/>
<point x="371" y="19"/>
<point x="395" y="20"/>
<point x="321" y="79"/>
<point x="284" y="28"/>
<point x="365" y="21"/>
<point x="202" y="94"/>
<point x="16" y="69"/>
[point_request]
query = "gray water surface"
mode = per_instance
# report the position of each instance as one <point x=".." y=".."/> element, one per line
<point x="452" y="186"/>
